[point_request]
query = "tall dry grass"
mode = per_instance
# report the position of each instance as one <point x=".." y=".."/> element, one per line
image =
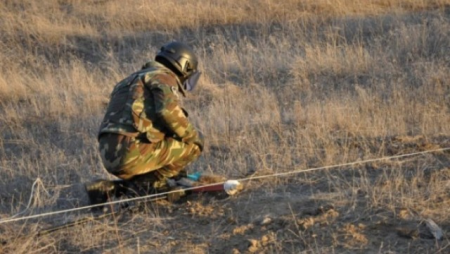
<point x="286" y="85"/>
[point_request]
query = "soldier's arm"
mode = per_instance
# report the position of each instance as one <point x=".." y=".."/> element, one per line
<point x="169" y="111"/>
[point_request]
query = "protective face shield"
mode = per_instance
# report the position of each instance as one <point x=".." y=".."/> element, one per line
<point x="190" y="83"/>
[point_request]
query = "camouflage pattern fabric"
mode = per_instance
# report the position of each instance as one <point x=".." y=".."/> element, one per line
<point x="126" y="157"/>
<point x="144" y="128"/>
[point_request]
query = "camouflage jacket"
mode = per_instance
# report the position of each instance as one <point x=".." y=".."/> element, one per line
<point x="146" y="104"/>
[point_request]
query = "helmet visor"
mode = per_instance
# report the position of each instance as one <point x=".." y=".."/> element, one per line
<point x="191" y="82"/>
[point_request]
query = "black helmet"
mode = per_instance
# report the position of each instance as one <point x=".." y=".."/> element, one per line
<point x="180" y="57"/>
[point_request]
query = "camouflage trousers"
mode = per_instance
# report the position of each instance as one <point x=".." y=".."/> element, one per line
<point x="126" y="157"/>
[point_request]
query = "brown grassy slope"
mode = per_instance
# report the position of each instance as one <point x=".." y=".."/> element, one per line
<point x="287" y="84"/>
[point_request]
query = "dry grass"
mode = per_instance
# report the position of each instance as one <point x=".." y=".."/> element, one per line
<point x="287" y="85"/>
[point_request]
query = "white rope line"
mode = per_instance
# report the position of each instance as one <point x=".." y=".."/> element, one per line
<point x="12" y="219"/>
<point x="37" y="181"/>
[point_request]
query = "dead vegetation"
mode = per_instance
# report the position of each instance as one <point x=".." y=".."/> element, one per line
<point x="287" y="85"/>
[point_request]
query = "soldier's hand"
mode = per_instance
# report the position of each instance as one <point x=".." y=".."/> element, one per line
<point x="199" y="141"/>
<point x="196" y="139"/>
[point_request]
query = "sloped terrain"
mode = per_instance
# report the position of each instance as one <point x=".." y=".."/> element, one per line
<point x="334" y="117"/>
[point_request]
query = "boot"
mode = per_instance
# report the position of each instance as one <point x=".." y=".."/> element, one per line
<point x="146" y="184"/>
<point x="100" y="191"/>
<point x="152" y="183"/>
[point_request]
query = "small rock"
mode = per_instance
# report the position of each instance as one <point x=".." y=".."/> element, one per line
<point x="235" y="251"/>
<point x="253" y="245"/>
<point x="410" y="233"/>
<point x="265" y="240"/>
<point x="435" y="230"/>
<point x="266" y="221"/>
<point x="253" y="242"/>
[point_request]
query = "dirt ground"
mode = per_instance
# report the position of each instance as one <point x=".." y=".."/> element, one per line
<point x="308" y="212"/>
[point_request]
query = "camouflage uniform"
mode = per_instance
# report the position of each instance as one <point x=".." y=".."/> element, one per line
<point x="145" y="129"/>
